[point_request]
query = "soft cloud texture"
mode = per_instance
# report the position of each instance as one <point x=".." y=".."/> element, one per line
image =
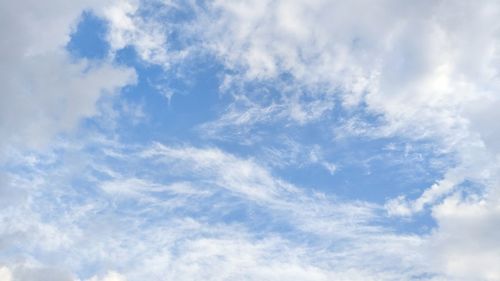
<point x="429" y="70"/>
<point x="181" y="227"/>
<point x="46" y="92"/>
<point x="422" y="71"/>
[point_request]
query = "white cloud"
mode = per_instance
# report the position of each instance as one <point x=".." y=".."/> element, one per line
<point x="24" y="272"/>
<point x="5" y="274"/>
<point x="428" y="68"/>
<point x="128" y="28"/>
<point x="132" y="24"/>
<point x="416" y="64"/>
<point x="466" y="245"/>
<point x="44" y="91"/>
<point x="239" y="176"/>
<point x="110" y="276"/>
<point x="179" y="234"/>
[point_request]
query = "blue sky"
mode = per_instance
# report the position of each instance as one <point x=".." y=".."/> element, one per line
<point x="249" y="140"/>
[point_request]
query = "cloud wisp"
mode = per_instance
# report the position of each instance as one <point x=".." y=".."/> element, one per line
<point x="180" y="217"/>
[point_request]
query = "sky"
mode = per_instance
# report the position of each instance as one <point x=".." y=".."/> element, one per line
<point x="307" y="140"/>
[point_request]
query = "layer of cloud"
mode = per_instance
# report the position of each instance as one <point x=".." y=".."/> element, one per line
<point x="422" y="68"/>
<point x="44" y="91"/>
<point x="189" y="213"/>
<point x="428" y="69"/>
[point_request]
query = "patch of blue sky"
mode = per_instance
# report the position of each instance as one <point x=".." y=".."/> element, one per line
<point x="88" y="40"/>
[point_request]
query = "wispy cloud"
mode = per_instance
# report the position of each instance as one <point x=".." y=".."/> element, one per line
<point x="178" y="218"/>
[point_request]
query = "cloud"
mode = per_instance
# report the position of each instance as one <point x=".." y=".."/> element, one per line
<point x="424" y="71"/>
<point x="191" y="213"/>
<point x="428" y="70"/>
<point x="465" y="245"/>
<point x="45" y="92"/>
<point x="5" y="274"/>
<point x="33" y="273"/>
<point x="128" y="28"/>
<point x="141" y="25"/>
<point x="417" y="66"/>
<point x="110" y="276"/>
